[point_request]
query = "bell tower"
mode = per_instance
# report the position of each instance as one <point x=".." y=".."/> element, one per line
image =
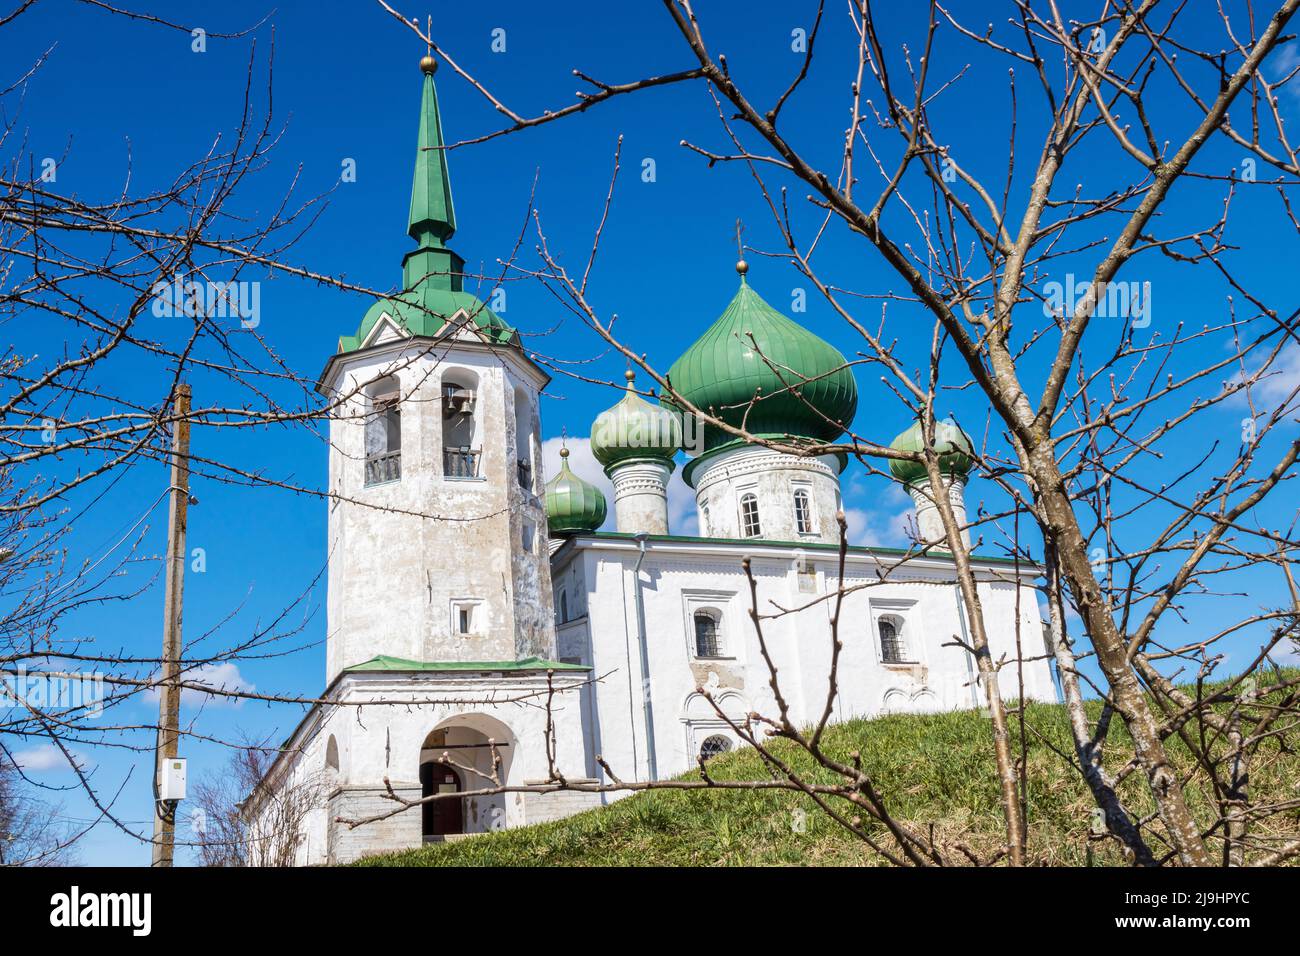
<point x="437" y="524"/>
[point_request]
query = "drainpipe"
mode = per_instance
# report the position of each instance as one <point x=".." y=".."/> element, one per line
<point x="972" y="673"/>
<point x="651" y="763"/>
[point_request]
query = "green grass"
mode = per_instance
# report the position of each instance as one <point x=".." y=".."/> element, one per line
<point x="935" y="771"/>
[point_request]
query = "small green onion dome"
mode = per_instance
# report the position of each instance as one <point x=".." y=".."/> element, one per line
<point x="635" y="429"/>
<point x="759" y="370"/>
<point x="573" y="505"/>
<point x="951" y="444"/>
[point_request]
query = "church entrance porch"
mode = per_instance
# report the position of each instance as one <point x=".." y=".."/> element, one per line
<point x="428" y="749"/>
<point x="466" y="754"/>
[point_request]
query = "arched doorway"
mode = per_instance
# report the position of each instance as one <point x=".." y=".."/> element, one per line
<point x="441" y="817"/>
<point x="469" y="754"/>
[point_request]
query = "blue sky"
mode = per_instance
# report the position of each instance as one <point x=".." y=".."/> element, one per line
<point x="117" y="98"/>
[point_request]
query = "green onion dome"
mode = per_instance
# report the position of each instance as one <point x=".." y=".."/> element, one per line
<point x="635" y="429"/>
<point x="951" y="444"/>
<point x="756" y="369"/>
<point x="573" y="505"/>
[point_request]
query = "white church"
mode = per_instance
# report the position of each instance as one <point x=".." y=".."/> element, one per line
<point x="500" y="593"/>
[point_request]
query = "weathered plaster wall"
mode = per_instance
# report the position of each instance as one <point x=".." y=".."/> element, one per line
<point x="401" y="553"/>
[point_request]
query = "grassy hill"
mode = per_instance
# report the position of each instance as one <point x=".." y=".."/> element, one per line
<point x="934" y="770"/>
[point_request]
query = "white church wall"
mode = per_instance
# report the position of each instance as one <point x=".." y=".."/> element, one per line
<point x="933" y="675"/>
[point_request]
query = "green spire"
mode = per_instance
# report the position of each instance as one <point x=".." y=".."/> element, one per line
<point x="432" y="220"/>
<point x="432" y="275"/>
<point x="432" y="216"/>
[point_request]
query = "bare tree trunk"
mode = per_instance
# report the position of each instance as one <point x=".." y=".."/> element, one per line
<point x="1127" y="694"/>
<point x="1237" y="799"/>
<point x="1087" y="750"/>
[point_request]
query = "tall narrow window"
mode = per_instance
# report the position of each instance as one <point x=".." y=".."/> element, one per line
<point x="802" y="512"/>
<point x="705" y="527"/>
<point x="383" y="436"/>
<point x="891" y="642"/>
<point x="749" y="525"/>
<point x="524" y="439"/>
<point x="708" y="634"/>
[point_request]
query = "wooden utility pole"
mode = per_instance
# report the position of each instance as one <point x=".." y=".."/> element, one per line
<point x="169" y="701"/>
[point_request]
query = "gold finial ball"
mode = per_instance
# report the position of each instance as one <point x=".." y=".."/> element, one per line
<point x="742" y="267"/>
<point x="630" y="376"/>
<point x="564" y="451"/>
<point x="428" y="64"/>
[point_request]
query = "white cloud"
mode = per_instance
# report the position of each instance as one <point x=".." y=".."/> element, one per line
<point x="1287" y="653"/>
<point x="877" y="529"/>
<point x="1275" y="384"/>
<point x="683" y="514"/>
<point x="1282" y="377"/>
<point x="1285" y="59"/>
<point x="885" y="524"/>
<point x="223" y="676"/>
<point x="47" y="757"/>
<point x="1279" y="65"/>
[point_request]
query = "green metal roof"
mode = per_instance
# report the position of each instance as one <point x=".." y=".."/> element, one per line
<point x="951" y="444"/>
<point x="571" y="503"/>
<point x="385" y="663"/>
<point x="433" y="275"/>
<point x="635" y="429"/>
<point x="756" y="369"/>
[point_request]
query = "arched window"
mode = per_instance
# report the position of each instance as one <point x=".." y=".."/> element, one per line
<point x="893" y="650"/>
<point x="461" y="450"/>
<point x="564" y="607"/>
<point x="705" y="527"/>
<point x="524" y="439"/>
<point x="708" y="633"/>
<point x="383" y="437"/>
<point x="803" y="522"/>
<point x="749" y="526"/>
<point x="331" y="761"/>
<point x="717" y="744"/>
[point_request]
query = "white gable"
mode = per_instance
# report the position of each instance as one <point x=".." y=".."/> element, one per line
<point x="385" y="330"/>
